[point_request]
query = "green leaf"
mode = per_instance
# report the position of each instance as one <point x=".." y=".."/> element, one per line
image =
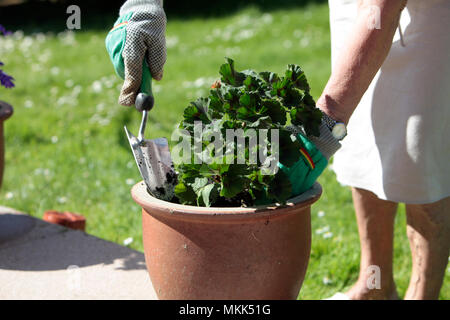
<point x="230" y="75"/>
<point x="231" y="186"/>
<point x="289" y="149"/>
<point x="197" y="111"/>
<point x="199" y="183"/>
<point x="262" y="123"/>
<point x="280" y="189"/>
<point x="185" y="194"/>
<point x="294" y="97"/>
<point x="269" y="77"/>
<point x="298" y="77"/>
<point x="275" y="111"/>
<point x="209" y="194"/>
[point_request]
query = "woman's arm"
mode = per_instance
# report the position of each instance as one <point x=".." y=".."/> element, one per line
<point x="364" y="53"/>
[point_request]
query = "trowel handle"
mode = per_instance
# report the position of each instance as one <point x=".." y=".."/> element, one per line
<point x="144" y="102"/>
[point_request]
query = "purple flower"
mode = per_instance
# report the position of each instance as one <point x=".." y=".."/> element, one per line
<point x="6" y="80"/>
<point x="4" y="31"/>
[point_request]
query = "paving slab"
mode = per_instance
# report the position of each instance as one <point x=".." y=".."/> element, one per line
<point x="39" y="260"/>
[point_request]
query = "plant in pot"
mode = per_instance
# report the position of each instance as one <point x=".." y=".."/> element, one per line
<point x="6" y="110"/>
<point x="239" y="224"/>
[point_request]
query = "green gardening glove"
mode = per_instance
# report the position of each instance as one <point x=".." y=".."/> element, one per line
<point x="315" y="153"/>
<point x="304" y="173"/>
<point x="137" y="47"/>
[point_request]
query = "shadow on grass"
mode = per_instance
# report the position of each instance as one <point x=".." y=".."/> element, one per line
<point x="44" y="16"/>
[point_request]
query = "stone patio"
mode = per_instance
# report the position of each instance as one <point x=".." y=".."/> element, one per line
<point x="39" y="260"/>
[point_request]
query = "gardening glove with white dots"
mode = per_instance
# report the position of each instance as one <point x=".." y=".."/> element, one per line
<point x="137" y="47"/>
<point x="315" y="153"/>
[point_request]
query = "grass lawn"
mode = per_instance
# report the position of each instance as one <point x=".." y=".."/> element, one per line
<point x="66" y="148"/>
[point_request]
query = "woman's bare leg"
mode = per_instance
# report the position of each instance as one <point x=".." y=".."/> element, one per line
<point x="375" y="219"/>
<point x="429" y="237"/>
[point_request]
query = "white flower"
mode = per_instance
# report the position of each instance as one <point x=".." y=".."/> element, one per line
<point x="321" y="214"/>
<point x="267" y="18"/>
<point x="129" y="182"/>
<point x="26" y="44"/>
<point x="226" y="35"/>
<point x="199" y="82"/>
<point x="244" y="35"/>
<point x="171" y="42"/>
<point x="61" y="200"/>
<point x="127" y="241"/>
<point x="244" y="20"/>
<point x="104" y="121"/>
<point x="97" y="86"/>
<point x="36" y="67"/>
<point x="100" y="107"/>
<point x="55" y="71"/>
<point x="69" y="83"/>
<point x="323" y="230"/>
<point x="327" y="235"/>
<point x="54" y="91"/>
<point x="232" y="51"/>
<point x="287" y="44"/>
<point x="45" y="56"/>
<point x="18" y="34"/>
<point x="40" y="37"/>
<point x="202" y="51"/>
<point x="304" y="42"/>
<point x="54" y="139"/>
<point x="76" y="91"/>
<point x="156" y="88"/>
<point x="298" y="33"/>
<point x="326" y="281"/>
<point x="9" y="195"/>
<point x="28" y="104"/>
<point x="67" y="38"/>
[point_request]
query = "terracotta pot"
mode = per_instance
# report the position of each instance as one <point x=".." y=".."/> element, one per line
<point x="226" y="253"/>
<point x="67" y="219"/>
<point x="6" y="111"/>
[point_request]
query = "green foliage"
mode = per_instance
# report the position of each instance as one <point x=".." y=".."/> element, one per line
<point x="246" y="100"/>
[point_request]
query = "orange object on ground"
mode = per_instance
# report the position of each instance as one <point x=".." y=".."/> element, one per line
<point x="66" y="219"/>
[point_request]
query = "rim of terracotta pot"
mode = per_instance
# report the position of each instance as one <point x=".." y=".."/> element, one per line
<point x="6" y="110"/>
<point x="180" y="211"/>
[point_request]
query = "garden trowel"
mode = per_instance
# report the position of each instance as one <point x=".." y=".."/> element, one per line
<point x="152" y="156"/>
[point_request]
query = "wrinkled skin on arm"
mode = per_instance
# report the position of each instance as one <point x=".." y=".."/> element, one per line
<point x="363" y="54"/>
